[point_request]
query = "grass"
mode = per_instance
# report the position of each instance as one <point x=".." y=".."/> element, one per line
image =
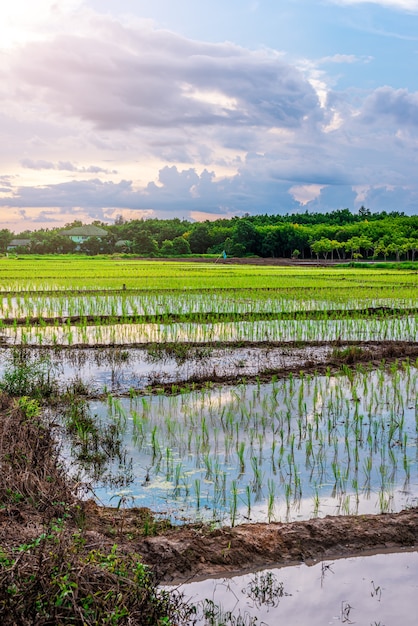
<point x="49" y="571"/>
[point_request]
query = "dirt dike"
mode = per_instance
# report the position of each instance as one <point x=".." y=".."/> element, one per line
<point x="183" y="553"/>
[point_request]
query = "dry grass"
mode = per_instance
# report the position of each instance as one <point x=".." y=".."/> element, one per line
<point x="52" y="571"/>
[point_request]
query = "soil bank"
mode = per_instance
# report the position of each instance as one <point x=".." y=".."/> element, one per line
<point x="197" y="551"/>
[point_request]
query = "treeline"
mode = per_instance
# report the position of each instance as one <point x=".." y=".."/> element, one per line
<point x="338" y="234"/>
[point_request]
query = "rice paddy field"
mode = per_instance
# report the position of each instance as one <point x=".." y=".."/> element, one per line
<point x="278" y="437"/>
<point x="223" y="394"/>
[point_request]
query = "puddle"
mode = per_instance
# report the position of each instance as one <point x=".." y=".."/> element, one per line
<point x="378" y="590"/>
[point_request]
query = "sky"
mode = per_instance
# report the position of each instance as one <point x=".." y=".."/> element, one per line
<point x="205" y="110"/>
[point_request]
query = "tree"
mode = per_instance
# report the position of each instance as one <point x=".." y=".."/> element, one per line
<point x="355" y="244"/>
<point x="363" y="212"/>
<point x="5" y="238"/>
<point x="271" y="244"/>
<point x="145" y="244"/>
<point x="92" y="246"/>
<point x="380" y="248"/>
<point x="247" y="235"/>
<point x="200" y="239"/>
<point x="51" y="242"/>
<point x="323" y="246"/>
<point x="181" y="246"/>
<point x="167" y="248"/>
<point x="337" y="246"/>
<point x="413" y="247"/>
<point x="399" y="246"/>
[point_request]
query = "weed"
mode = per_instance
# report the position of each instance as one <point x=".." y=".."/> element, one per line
<point x="26" y="375"/>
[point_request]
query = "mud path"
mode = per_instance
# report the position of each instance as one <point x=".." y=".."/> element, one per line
<point x="181" y="553"/>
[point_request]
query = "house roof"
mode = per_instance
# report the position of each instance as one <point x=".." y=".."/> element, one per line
<point x="90" y="230"/>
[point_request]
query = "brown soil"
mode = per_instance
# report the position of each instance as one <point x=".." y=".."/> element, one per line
<point x="181" y="553"/>
<point x="308" y="358"/>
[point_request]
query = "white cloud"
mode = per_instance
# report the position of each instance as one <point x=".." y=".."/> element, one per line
<point x="65" y="166"/>
<point x="102" y="118"/>
<point x="119" y="78"/>
<point x="345" y="58"/>
<point x="25" y="20"/>
<point x="305" y="193"/>
<point x="411" y="6"/>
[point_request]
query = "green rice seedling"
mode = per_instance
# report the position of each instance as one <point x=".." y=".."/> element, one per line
<point x="257" y="475"/>
<point x="385" y="500"/>
<point x="248" y="500"/>
<point x="316" y="501"/>
<point x="288" y="494"/>
<point x="270" y="500"/>
<point x="177" y="476"/>
<point x="233" y="503"/>
<point x="197" y="491"/>
<point x="241" y="456"/>
<point x="156" y="451"/>
<point x="345" y="505"/>
<point x="207" y="458"/>
<point x="169" y="463"/>
<point x="407" y="468"/>
<point x="273" y="451"/>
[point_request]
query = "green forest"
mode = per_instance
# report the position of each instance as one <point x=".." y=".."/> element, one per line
<point x="339" y="234"/>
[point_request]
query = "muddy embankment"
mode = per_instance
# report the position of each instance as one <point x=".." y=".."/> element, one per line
<point x="181" y="553"/>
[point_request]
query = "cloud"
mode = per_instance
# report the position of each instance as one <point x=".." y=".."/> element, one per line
<point x="345" y="58"/>
<point x="399" y="105"/>
<point x="22" y="20"/>
<point x="37" y="165"/>
<point x="124" y="118"/>
<point x="65" y="166"/>
<point x="259" y="187"/>
<point x="45" y="217"/>
<point x="118" y="77"/>
<point x="411" y="6"/>
<point x="88" y="193"/>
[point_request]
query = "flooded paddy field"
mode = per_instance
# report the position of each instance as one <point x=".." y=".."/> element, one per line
<point x="349" y="329"/>
<point x="122" y="370"/>
<point x="218" y="420"/>
<point x="369" y="590"/>
<point x="296" y="448"/>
